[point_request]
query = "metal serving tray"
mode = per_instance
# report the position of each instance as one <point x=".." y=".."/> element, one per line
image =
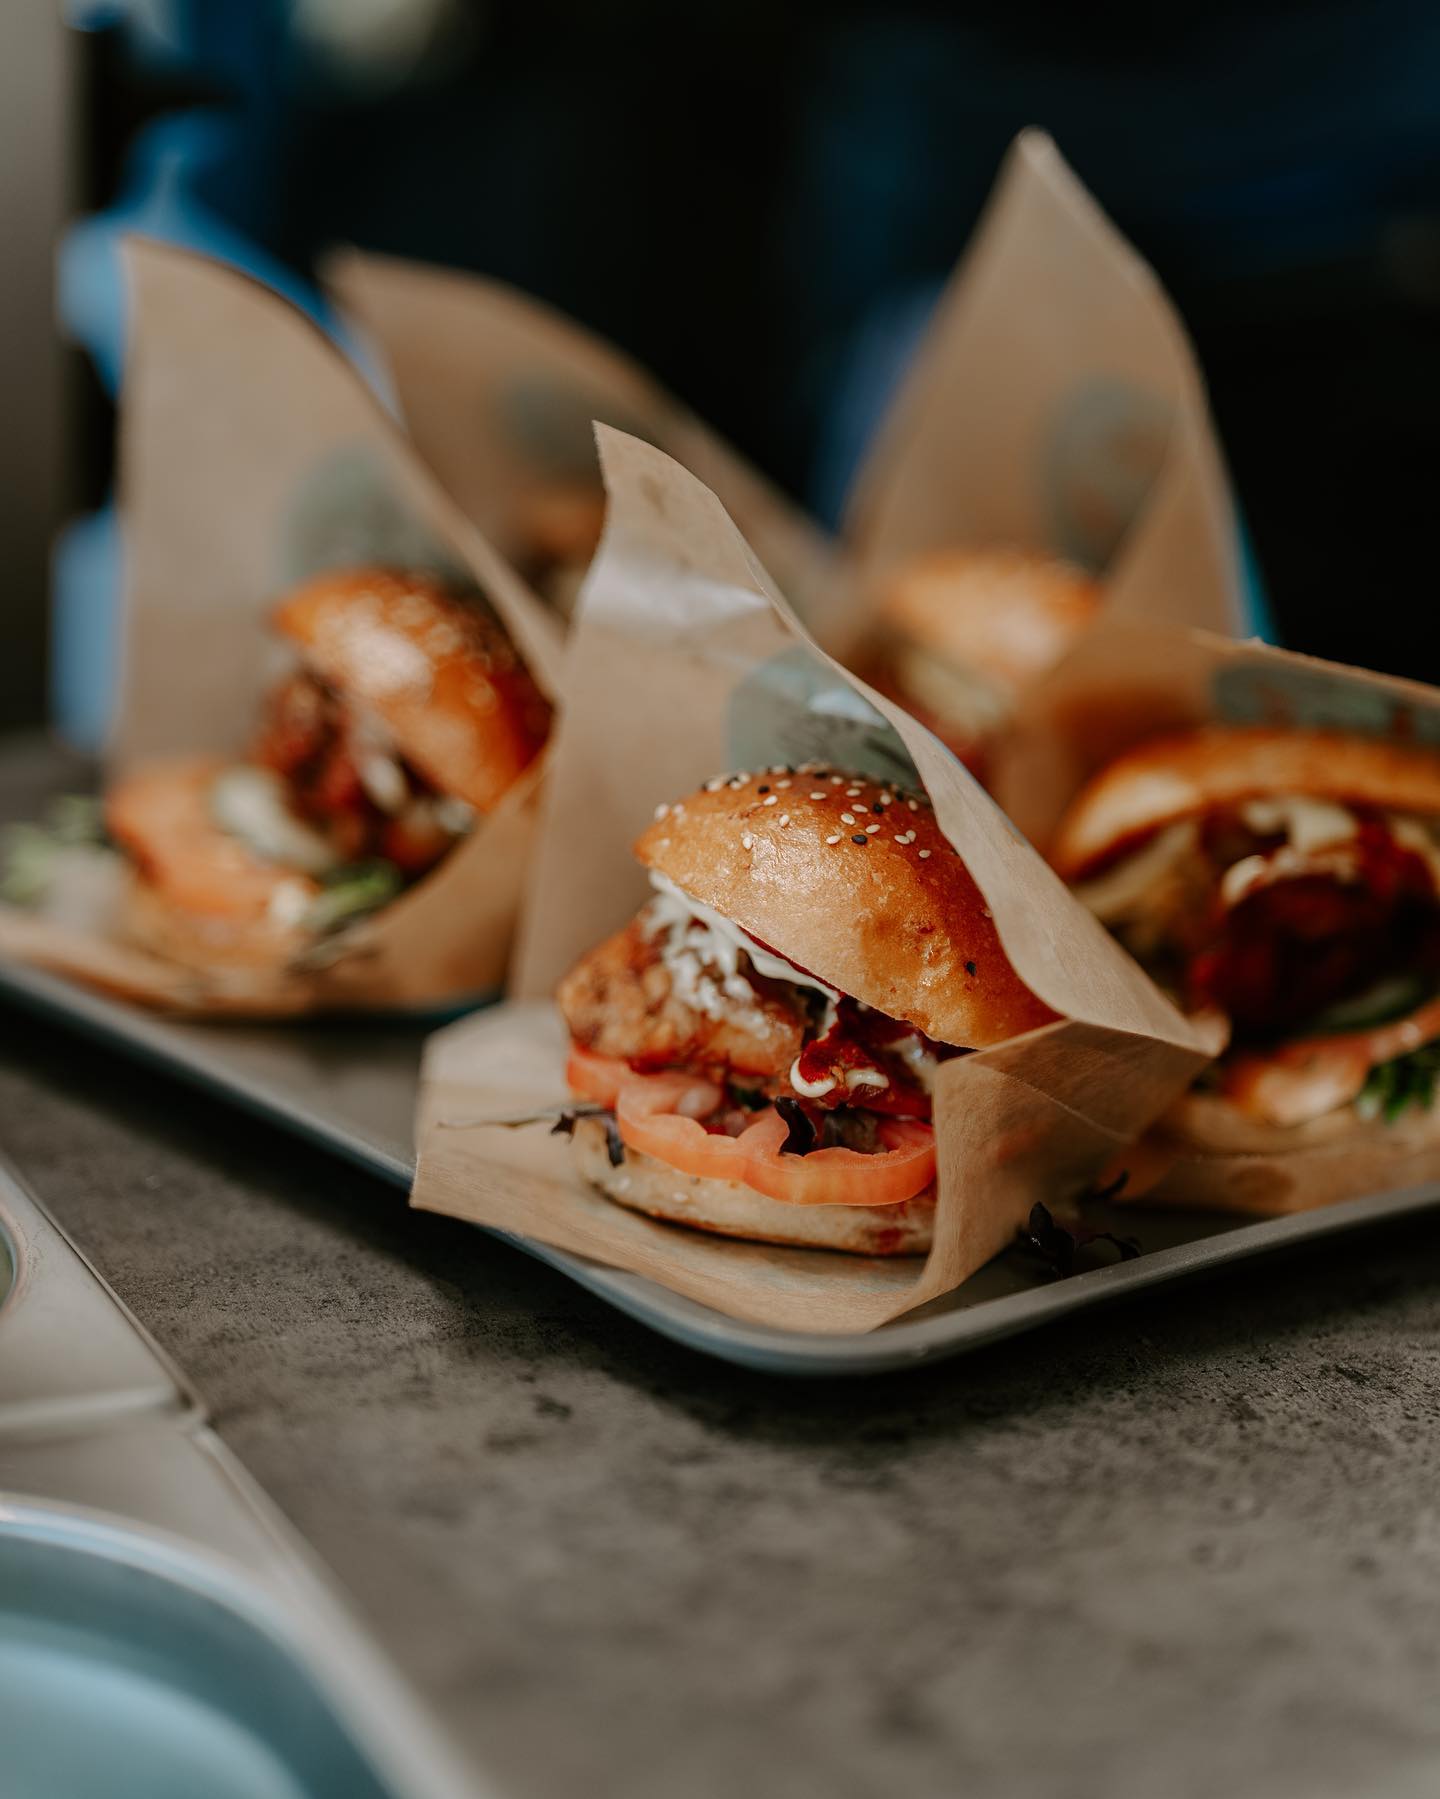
<point x="352" y="1089"/>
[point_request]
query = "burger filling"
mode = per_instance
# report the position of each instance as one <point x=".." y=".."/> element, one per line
<point x="344" y="776"/>
<point x="774" y="1056"/>
<point x="328" y="799"/>
<point x="1313" y="927"/>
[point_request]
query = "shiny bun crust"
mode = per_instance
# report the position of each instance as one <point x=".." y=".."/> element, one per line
<point x="854" y="882"/>
<point x="1181" y="776"/>
<point x="199" y="896"/>
<point x="438" y="671"/>
<point x="731" y="1209"/>
<point x="1009" y="613"/>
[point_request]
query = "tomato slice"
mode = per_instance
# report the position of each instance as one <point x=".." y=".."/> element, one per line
<point x="598" y="1078"/>
<point x="659" y="1115"/>
<point x="841" y="1177"/>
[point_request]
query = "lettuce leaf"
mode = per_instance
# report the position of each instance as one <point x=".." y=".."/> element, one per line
<point x="350" y="892"/>
<point x="30" y="852"/>
<point x="1393" y="1087"/>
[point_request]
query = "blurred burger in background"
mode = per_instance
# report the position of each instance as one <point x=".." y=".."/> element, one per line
<point x="961" y="633"/>
<point x="1287" y="884"/>
<point x="407" y="717"/>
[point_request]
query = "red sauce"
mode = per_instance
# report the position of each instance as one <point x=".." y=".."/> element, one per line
<point x="308" y="737"/>
<point x="862" y="1038"/>
<point x="1290" y="949"/>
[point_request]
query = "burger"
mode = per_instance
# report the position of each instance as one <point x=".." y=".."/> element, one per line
<point x="755" y="1052"/>
<point x="406" y="717"/>
<point x="1287" y="884"/>
<point x="963" y="632"/>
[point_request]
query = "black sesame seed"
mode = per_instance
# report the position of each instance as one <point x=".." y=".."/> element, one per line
<point x="878" y="809"/>
<point x="862" y="841"/>
<point x="762" y="789"/>
<point x="970" y="968"/>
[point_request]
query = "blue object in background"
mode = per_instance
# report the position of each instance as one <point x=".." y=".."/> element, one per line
<point x="163" y="196"/>
<point x="85" y="590"/>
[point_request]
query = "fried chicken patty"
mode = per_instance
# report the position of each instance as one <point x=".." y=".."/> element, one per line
<point x="621" y="1001"/>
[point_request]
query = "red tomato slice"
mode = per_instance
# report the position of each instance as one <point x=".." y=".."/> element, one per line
<point x="658" y="1115"/>
<point x="841" y="1177"/>
<point x="599" y="1078"/>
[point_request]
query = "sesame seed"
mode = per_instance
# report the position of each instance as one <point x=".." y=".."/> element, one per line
<point x="854" y="792"/>
<point x="782" y="785"/>
<point x="715" y="785"/>
<point x="924" y="855"/>
<point x="837" y="780"/>
<point x="887" y="799"/>
<point x="847" y="818"/>
<point x="870" y="830"/>
<point x="862" y="841"/>
<point x="661" y="810"/>
<point x="784" y="818"/>
<point x="862" y="808"/>
<point x="817" y="796"/>
<point x="772" y="799"/>
<point x="747" y="842"/>
<point x="834" y="839"/>
<point x="914" y="805"/>
<point x="970" y="968"/>
<point x="762" y="789"/>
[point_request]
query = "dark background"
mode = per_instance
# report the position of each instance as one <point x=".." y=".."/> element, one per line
<point x="750" y="199"/>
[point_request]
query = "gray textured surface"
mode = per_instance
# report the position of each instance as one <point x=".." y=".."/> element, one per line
<point x="1185" y="1547"/>
<point x="1189" y="1546"/>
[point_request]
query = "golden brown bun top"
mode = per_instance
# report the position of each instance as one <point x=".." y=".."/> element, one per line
<point x="853" y="882"/>
<point x="438" y="671"/>
<point x="1181" y="776"/>
<point x="1010" y="613"/>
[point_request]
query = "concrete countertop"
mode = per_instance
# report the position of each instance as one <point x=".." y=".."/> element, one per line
<point x="1184" y="1547"/>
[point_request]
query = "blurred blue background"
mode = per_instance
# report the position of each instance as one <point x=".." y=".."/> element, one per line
<point x="760" y="203"/>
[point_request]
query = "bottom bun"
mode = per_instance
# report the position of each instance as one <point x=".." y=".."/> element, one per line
<point x="206" y="941"/>
<point x="731" y="1209"/>
<point x="1206" y="1155"/>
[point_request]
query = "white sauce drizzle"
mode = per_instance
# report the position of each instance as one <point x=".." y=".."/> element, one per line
<point x="249" y="803"/>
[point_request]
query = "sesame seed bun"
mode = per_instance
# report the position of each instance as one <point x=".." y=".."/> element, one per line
<point x="198" y="895"/>
<point x="438" y="671"/>
<point x="731" y="1209"/>
<point x="1175" y="777"/>
<point x="853" y="882"/>
<point x="1009" y="613"/>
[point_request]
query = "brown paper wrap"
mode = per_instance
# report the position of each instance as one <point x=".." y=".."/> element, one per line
<point x="1129" y="681"/>
<point x="685" y="662"/>
<point x="252" y="455"/>
<point x="499" y="392"/>
<point x="1054" y="403"/>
